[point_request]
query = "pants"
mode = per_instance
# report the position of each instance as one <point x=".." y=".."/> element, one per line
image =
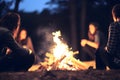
<point x="14" y="63"/>
<point x="105" y="59"/>
<point x="87" y="54"/>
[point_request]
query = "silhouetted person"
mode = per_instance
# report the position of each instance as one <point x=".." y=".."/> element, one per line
<point x="111" y="57"/>
<point x="13" y="57"/>
<point x="95" y="41"/>
<point x="25" y="41"/>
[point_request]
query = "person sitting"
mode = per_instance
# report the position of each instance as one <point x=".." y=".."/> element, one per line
<point x="13" y="57"/>
<point x="96" y="40"/>
<point x="25" y="41"/>
<point x="111" y="57"/>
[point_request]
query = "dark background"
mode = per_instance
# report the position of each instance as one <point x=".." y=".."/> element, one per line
<point x="71" y="17"/>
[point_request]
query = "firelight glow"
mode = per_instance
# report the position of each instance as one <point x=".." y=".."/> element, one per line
<point x="61" y="57"/>
<point x="60" y="46"/>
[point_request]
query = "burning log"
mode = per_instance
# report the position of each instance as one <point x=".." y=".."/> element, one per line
<point x="61" y="57"/>
<point x="64" y="63"/>
<point x="56" y="63"/>
<point x="78" y="64"/>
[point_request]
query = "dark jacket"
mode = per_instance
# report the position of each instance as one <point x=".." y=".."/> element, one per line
<point x="19" y="59"/>
<point x="7" y="41"/>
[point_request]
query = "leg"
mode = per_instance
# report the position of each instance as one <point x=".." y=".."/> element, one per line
<point x="23" y="63"/>
<point x="11" y="62"/>
<point x="99" y="61"/>
<point x="103" y="59"/>
<point x="88" y="53"/>
<point x="6" y="64"/>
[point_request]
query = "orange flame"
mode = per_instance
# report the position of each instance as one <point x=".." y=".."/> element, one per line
<point x="61" y="56"/>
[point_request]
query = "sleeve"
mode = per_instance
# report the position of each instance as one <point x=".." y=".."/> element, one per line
<point x="97" y="37"/>
<point x="112" y="39"/>
<point x="29" y="44"/>
<point x="11" y="43"/>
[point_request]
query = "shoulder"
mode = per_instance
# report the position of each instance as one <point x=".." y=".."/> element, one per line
<point x="115" y="24"/>
<point x="5" y="33"/>
<point x="3" y="30"/>
<point x="99" y="33"/>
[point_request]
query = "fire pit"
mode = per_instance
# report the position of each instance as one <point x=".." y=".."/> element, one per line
<point x="61" y="57"/>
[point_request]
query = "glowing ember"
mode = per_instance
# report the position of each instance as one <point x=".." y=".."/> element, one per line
<point x="61" y="56"/>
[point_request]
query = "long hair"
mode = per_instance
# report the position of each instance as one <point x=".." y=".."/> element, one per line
<point x="92" y="36"/>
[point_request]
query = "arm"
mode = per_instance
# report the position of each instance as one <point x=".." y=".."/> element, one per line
<point x="94" y="44"/>
<point x="13" y="45"/>
<point x="90" y="43"/>
<point x="112" y="39"/>
<point x="29" y="44"/>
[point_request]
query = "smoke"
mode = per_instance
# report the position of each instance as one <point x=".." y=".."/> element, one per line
<point x="45" y="40"/>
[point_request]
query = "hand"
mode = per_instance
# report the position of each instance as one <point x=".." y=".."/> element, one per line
<point x="105" y="48"/>
<point x="8" y="51"/>
<point x="83" y="42"/>
<point x="24" y="46"/>
<point x="30" y="51"/>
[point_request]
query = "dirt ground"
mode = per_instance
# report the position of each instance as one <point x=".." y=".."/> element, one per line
<point x="89" y="74"/>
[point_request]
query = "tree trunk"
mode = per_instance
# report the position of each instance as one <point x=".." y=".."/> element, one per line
<point x="17" y="2"/>
<point x="83" y="18"/>
<point x="73" y="24"/>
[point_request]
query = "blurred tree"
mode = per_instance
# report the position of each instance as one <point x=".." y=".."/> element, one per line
<point x="61" y="5"/>
<point x="17" y="2"/>
<point x="5" y="6"/>
<point x="73" y="24"/>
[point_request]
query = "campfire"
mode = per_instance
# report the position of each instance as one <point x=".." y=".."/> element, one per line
<point x="61" y="57"/>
